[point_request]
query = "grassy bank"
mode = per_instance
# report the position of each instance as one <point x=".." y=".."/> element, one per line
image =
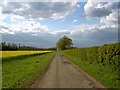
<point x="100" y="62"/>
<point x="20" y="72"/>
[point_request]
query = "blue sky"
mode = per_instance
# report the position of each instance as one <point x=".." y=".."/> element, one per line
<point x="68" y="21"/>
<point x="41" y="24"/>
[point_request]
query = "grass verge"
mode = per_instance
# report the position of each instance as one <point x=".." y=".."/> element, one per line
<point x="104" y="74"/>
<point x="19" y="72"/>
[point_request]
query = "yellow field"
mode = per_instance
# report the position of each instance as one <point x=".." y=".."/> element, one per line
<point x="6" y="54"/>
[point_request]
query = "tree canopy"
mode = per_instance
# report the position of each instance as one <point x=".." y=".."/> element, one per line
<point x="64" y="43"/>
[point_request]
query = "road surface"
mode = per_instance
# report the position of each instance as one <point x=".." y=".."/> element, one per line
<point x="63" y="74"/>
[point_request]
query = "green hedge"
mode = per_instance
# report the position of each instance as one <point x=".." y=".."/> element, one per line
<point x="108" y="54"/>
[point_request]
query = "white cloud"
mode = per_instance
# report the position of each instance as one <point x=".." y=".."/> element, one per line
<point x="111" y="19"/>
<point x="85" y="27"/>
<point x="24" y="27"/>
<point x="91" y="35"/>
<point x="75" y="21"/>
<point x="82" y="35"/>
<point x="1" y="13"/>
<point x="55" y="10"/>
<point x="99" y="9"/>
<point x="41" y="19"/>
<point x="60" y="32"/>
<point x="106" y="11"/>
<point x="78" y="6"/>
<point x="106" y="27"/>
<point x="16" y="17"/>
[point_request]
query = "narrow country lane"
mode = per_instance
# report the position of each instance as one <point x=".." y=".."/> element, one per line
<point x="63" y="74"/>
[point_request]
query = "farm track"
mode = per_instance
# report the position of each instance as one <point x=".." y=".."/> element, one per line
<point x="63" y="74"/>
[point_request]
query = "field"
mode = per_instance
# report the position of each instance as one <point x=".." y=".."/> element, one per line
<point x="7" y="54"/>
<point x="21" y="68"/>
<point x="100" y="62"/>
<point x="21" y="71"/>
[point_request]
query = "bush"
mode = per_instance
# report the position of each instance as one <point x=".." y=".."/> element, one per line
<point x="107" y="54"/>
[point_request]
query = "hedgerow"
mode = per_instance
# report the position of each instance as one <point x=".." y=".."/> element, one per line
<point x="108" y="54"/>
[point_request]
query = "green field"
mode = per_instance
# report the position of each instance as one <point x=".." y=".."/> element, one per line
<point x="100" y="62"/>
<point x="19" y="72"/>
<point x="7" y="54"/>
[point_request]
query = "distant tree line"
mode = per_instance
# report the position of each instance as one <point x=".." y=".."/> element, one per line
<point x="14" y="47"/>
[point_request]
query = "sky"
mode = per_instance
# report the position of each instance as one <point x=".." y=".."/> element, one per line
<point x="42" y="24"/>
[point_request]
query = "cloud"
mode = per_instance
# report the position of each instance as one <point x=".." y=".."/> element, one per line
<point x="111" y="19"/>
<point x="30" y="32"/>
<point x="85" y="27"/>
<point x="82" y="36"/>
<point x="1" y="13"/>
<point x="55" y="10"/>
<point x="92" y="35"/>
<point x="99" y="9"/>
<point x="16" y="17"/>
<point x="24" y="27"/>
<point x="75" y="21"/>
<point x="30" y="40"/>
<point x="107" y="12"/>
<point x="60" y="33"/>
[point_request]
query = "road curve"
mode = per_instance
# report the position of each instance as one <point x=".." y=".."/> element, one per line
<point x="63" y="74"/>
